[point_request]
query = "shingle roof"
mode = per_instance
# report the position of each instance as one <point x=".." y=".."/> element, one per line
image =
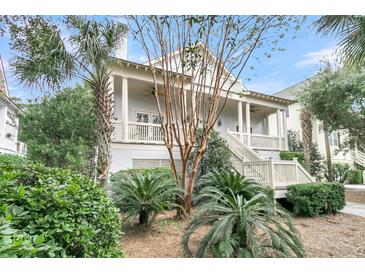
<point x="292" y="92"/>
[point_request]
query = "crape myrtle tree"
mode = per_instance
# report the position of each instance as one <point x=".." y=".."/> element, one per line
<point x="49" y="52"/>
<point x="195" y="57"/>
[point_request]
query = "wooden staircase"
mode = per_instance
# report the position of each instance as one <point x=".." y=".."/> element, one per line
<point x="277" y="174"/>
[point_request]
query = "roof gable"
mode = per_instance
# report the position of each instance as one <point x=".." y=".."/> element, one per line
<point x="212" y="58"/>
<point x="3" y="84"/>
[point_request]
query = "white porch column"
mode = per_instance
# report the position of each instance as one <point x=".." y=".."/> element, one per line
<point x="248" y="123"/>
<point x="285" y="130"/>
<point x="125" y="108"/>
<point x="278" y="126"/>
<point x="240" y="120"/>
<point x="266" y="125"/>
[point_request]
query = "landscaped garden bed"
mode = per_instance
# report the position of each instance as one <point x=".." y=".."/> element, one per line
<point x="339" y="235"/>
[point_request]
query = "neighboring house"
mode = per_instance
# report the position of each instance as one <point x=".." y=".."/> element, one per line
<point x="9" y="121"/>
<point x="244" y="123"/>
<point x="339" y="152"/>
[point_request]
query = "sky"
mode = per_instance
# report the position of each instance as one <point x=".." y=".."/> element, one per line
<point x="299" y="61"/>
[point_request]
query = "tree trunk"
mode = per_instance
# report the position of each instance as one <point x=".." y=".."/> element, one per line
<point x="328" y="156"/>
<point x="307" y="127"/>
<point x="104" y="118"/>
<point x="143" y="218"/>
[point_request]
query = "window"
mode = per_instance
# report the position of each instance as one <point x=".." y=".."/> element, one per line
<point x="156" y="119"/>
<point x="142" y="117"/>
<point x="334" y="139"/>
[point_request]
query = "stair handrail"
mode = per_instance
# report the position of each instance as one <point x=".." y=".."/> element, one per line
<point x="243" y="145"/>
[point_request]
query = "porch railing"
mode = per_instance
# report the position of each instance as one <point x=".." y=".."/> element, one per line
<point x="13" y="147"/>
<point x="139" y="132"/>
<point x="260" y="141"/>
<point x="276" y="173"/>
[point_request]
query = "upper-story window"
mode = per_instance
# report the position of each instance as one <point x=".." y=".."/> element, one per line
<point x="147" y="117"/>
<point x="334" y="139"/>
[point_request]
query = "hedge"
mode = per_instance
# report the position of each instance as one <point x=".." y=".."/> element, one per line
<point x="290" y="155"/>
<point x="50" y="212"/>
<point x="312" y="199"/>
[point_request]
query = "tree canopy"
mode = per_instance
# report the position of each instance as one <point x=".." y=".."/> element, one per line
<point x="49" y="52"/>
<point x="337" y="98"/>
<point x="60" y="131"/>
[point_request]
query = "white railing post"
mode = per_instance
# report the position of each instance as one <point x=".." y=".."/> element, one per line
<point x="279" y="126"/>
<point x="296" y="170"/>
<point x="240" y="120"/>
<point x="272" y="172"/>
<point x="285" y="130"/>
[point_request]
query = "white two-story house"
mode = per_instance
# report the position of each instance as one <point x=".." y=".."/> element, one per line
<point x="244" y="123"/>
<point x="9" y="121"/>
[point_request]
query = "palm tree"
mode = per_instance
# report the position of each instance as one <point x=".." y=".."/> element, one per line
<point x="306" y="124"/>
<point x="45" y="58"/>
<point x="243" y="223"/>
<point x="350" y="32"/>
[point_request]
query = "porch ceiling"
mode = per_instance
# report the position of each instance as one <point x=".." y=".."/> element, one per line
<point x="254" y="108"/>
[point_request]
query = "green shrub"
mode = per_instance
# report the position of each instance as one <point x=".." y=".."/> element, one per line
<point x="217" y="155"/>
<point x="143" y="196"/>
<point x="312" y="199"/>
<point x="244" y="221"/>
<point x="344" y="174"/>
<point x="290" y="155"/>
<point x="341" y="172"/>
<point x="355" y="177"/>
<point x="58" y="208"/>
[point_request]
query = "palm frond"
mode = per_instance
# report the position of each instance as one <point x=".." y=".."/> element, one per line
<point x="350" y="32"/>
<point x="42" y="58"/>
<point x="145" y="194"/>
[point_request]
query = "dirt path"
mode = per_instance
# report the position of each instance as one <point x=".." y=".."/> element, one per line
<point x="339" y="235"/>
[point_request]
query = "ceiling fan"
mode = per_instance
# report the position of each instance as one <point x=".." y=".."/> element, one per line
<point x="152" y="92"/>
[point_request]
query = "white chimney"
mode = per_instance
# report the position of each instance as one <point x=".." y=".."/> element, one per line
<point x="121" y="50"/>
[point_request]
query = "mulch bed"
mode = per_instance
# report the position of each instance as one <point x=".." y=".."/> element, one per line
<point x="339" y="235"/>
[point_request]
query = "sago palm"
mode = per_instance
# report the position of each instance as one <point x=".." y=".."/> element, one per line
<point x="50" y="52"/>
<point x="242" y="225"/>
<point x="350" y="32"/>
<point x="142" y="197"/>
<point x="228" y="181"/>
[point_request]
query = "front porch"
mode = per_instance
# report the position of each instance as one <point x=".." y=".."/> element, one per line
<point x="258" y="120"/>
<point x="137" y="119"/>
